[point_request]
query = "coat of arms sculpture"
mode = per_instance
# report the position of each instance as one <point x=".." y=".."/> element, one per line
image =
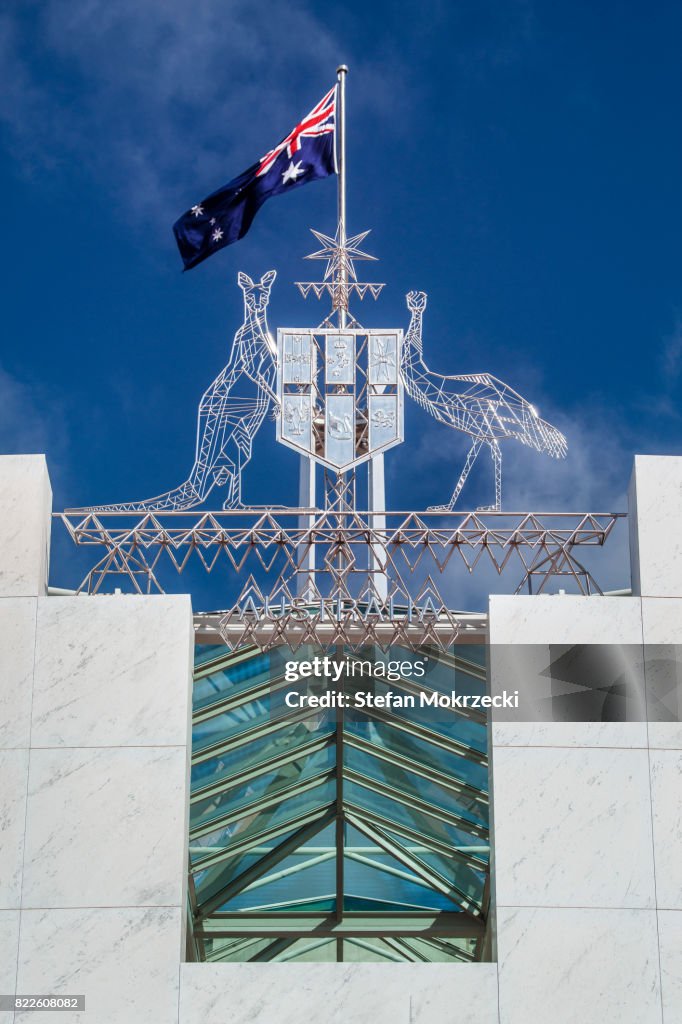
<point x="328" y="571"/>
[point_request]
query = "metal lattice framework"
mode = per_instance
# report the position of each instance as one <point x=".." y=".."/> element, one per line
<point x="477" y="404"/>
<point x="337" y="834"/>
<point x="230" y="414"/>
<point x="378" y="577"/>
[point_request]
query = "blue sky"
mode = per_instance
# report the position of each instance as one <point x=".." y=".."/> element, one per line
<point x="518" y="161"/>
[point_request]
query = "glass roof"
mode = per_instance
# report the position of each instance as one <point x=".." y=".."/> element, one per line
<point x="326" y="834"/>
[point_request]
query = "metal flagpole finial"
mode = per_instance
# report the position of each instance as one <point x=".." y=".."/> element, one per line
<point x="342" y="69"/>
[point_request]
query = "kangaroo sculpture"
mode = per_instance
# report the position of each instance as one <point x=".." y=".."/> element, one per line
<point x="477" y="404"/>
<point x="227" y="422"/>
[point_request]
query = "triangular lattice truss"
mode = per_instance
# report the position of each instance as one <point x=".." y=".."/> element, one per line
<point x="377" y="578"/>
<point x="336" y="834"/>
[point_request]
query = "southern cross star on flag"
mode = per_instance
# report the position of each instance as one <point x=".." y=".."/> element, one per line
<point x="305" y="154"/>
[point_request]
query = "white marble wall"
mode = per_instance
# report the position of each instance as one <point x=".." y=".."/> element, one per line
<point x="662" y="625"/>
<point x="655" y="502"/>
<point x="655" y="539"/>
<point x="338" y="993"/>
<point x="94" y="722"/>
<point x="531" y="624"/>
<point x="95" y="708"/>
<point x="100" y="824"/>
<point x="25" y="508"/>
<point x="587" y="835"/>
<point x="568" y="965"/>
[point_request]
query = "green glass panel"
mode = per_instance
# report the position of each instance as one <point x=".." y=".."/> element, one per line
<point x="368" y="951"/>
<point x="406" y="899"/>
<point x="438" y="674"/>
<point x="289" y="892"/>
<point x="310" y="951"/>
<point x="441" y="720"/>
<point x="269" y="708"/>
<point x="422" y="751"/>
<point x="409" y="880"/>
<point x="325" y="905"/>
<point x="234" y="674"/>
<point x="231" y="798"/>
<point x="210" y="879"/>
<point x="233" y="762"/>
<point x="415" y="785"/>
<point x="207" y="652"/>
<point x="466" y="879"/>
<point x="438" y="952"/>
<point x="229" y="680"/>
<point x="372" y="874"/>
<point x="234" y="950"/>
<point x="394" y="810"/>
<point x="254" y="822"/>
<point x="366" y="905"/>
<point x="313" y="949"/>
<point x="308" y="873"/>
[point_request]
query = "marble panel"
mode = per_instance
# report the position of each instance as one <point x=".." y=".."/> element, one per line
<point x="566" y="684"/>
<point x="25" y="507"/>
<point x="564" y="619"/>
<point x="17" y="648"/>
<point x="572" y="827"/>
<point x="338" y="993"/>
<point x="655" y="501"/>
<point x="9" y="948"/>
<point x="13" y="783"/>
<point x="113" y="671"/>
<point x="454" y="994"/>
<point x="670" y="941"/>
<point x="666" y="795"/>
<point x="568" y="965"/>
<point x="125" y="962"/>
<point x="570" y="734"/>
<point x="662" y="631"/>
<point x="662" y="620"/>
<point x="106" y="827"/>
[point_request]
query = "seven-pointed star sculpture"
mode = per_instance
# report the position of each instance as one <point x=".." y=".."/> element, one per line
<point x="339" y="254"/>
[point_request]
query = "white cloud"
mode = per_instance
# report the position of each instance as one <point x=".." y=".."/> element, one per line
<point x="163" y="98"/>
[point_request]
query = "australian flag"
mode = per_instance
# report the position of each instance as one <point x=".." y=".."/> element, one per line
<point x="306" y="154"/>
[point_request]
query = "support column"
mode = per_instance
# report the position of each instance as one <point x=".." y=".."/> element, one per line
<point x="376" y="492"/>
<point x="305" y="583"/>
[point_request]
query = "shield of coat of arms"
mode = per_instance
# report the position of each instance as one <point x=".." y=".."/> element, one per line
<point x="340" y="393"/>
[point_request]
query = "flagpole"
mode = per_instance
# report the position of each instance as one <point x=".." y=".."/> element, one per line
<point x="306" y="479"/>
<point x="376" y="493"/>
<point x="341" y="73"/>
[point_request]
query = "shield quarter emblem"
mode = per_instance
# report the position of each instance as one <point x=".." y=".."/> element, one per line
<point x="340" y="393"/>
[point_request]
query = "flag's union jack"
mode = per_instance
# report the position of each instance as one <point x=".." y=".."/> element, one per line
<point x="320" y="121"/>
